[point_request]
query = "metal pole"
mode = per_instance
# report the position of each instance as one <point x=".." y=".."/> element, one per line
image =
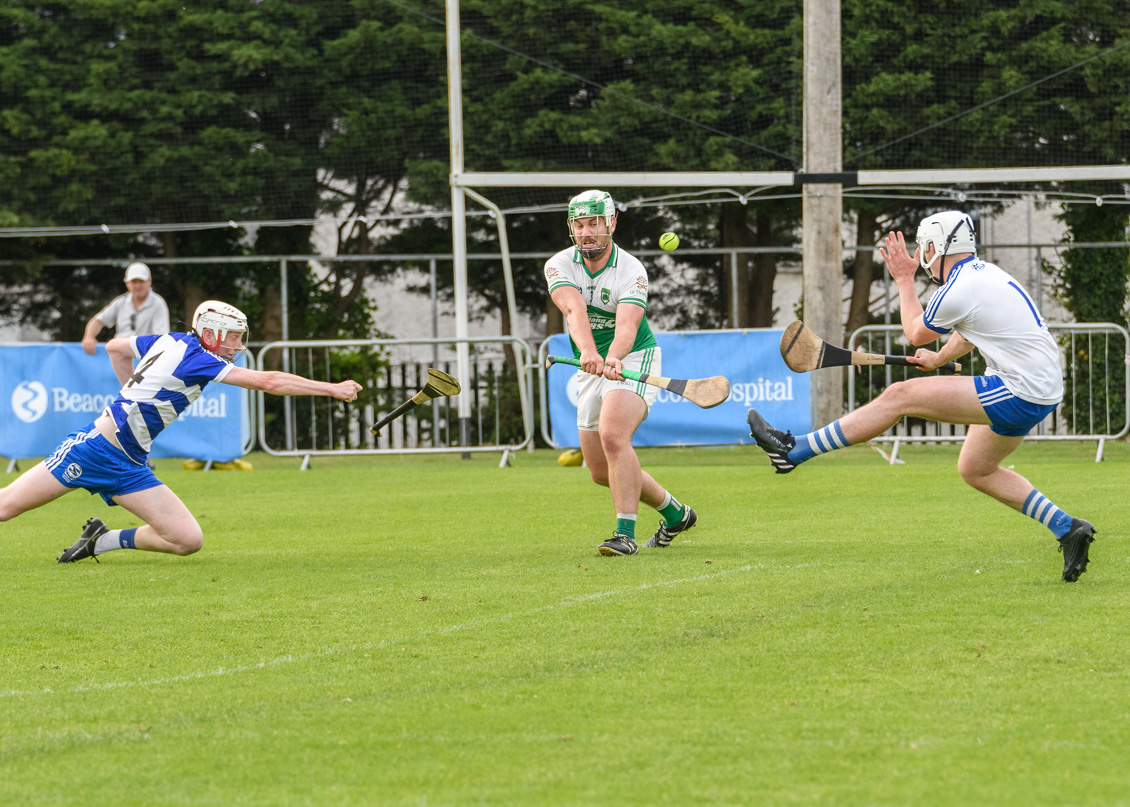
<point x="435" y="347"/>
<point x="458" y="213"/>
<point x="288" y="402"/>
<point x="733" y="289"/>
<point x="1031" y="203"/>
<point x="1039" y="280"/>
<point x="511" y="304"/>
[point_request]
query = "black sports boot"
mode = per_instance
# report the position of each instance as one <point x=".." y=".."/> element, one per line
<point x="84" y="546"/>
<point x="618" y="545"/>
<point x="774" y="442"/>
<point x="1075" y="545"/>
<point x="664" y="534"/>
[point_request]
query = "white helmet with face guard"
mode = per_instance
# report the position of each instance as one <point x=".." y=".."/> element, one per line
<point x="951" y="232"/>
<point x="221" y="319"/>
<point x="592" y="204"/>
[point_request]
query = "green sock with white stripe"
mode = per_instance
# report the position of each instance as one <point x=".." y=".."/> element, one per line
<point x="626" y="524"/>
<point x="671" y="510"/>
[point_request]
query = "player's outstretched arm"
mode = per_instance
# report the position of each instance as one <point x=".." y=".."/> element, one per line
<point x="121" y="358"/>
<point x="628" y="319"/>
<point x="572" y="306"/>
<point x="279" y="383"/>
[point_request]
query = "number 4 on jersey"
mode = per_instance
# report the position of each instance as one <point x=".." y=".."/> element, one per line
<point x="139" y="374"/>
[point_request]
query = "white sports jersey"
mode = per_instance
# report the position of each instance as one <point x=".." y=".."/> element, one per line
<point x="986" y="305"/>
<point x="174" y="370"/>
<point x="622" y="280"/>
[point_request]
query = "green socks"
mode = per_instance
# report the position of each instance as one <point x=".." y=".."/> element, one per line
<point x="671" y="510"/>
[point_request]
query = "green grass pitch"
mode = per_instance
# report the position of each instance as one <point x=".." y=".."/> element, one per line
<point x="431" y="630"/>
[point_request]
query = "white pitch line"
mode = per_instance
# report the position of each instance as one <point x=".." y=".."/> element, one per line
<point x="290" y="659"/>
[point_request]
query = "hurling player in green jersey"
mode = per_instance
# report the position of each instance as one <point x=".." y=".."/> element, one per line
<point x="602" y="293"/>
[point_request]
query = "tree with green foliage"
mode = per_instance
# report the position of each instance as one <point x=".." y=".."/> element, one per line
<point x="979" y="84"/>
<point x="167" y="114"/>
<point x="164" y="114"/>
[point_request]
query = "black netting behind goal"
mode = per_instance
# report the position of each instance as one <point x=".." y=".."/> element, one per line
<point x="238" y="112"/>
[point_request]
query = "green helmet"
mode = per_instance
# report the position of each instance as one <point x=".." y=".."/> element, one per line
<point x="592" y="203"/>
<point x="586" y="205"/>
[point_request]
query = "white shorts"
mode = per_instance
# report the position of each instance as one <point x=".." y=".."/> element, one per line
<point x="593" y="388"/>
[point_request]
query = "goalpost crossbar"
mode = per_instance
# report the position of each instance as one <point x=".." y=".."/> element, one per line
<point x="763" y="179"/>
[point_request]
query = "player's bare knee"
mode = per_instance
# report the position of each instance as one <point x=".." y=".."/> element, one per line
<point x="973" y="474"/>
<point x="599" y="475"/>
<point x="979" y="483"/>
<point x="8" y="510"/>
<point x="895" y="396"/>
<point x="187" y="542"/>
<point x="615" y="444"/>
<point x="189" y="547"/>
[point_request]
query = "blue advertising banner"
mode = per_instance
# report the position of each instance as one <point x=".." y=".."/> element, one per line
<point x="49" y="390"/>
<point x="750" y="359"/>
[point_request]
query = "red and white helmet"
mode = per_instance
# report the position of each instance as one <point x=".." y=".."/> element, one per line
<point x="219" y="318"/>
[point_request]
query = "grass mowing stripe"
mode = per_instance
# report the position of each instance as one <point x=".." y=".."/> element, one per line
<point x="329" y="651"/>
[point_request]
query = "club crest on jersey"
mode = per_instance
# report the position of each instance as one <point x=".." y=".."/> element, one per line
<point x="605" y="296"/>
<point x="641" y="283"/>
<point x="72" y="472"/>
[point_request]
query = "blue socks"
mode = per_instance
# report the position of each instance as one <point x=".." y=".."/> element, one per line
<point x="115" y="539"/>
<point x="1040" y="507"/>
<point x="821" y="441"/>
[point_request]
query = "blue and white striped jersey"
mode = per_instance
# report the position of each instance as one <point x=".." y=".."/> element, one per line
<point x="174" y="370"/>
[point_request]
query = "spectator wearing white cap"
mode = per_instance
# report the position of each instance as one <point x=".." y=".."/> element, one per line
<point x="139" y="312"/>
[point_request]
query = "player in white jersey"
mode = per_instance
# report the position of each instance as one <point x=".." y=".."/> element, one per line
<point x="602" y="293"/>
<point x="981" y="306"/>
<point x="108" y="456"/>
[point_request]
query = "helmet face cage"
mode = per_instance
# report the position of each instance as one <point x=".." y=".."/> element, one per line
<point x="222" y="319"/>
<point x="592" y="204"/>
<point x="949" y="232"/>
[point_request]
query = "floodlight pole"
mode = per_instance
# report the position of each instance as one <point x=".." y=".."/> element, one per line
<point x="458" y="215"/>
<point x="823" y="203"/>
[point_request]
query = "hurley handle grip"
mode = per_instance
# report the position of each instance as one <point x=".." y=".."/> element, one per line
<point x="391" y="416"/>
<point x="631" y="375"/>
<point x="949" y="366"/>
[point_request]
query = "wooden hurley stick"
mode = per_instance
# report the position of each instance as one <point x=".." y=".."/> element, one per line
<point x="705" y="392"/>
<point x="804" y="351"/>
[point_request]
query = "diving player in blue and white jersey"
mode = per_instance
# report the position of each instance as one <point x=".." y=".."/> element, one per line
<point x="981" y="306"/>
<point x="108" y="457"/>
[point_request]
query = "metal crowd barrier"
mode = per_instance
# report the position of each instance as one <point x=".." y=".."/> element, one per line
<point x="1096" y="367"/>
<point x="309" y="426"/>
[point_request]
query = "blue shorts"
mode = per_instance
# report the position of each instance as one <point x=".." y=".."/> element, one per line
<point x="1010" y="416"/>
<point x="87" y="460"/>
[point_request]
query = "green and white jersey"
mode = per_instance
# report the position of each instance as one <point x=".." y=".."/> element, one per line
<point x="622" y="280"/>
